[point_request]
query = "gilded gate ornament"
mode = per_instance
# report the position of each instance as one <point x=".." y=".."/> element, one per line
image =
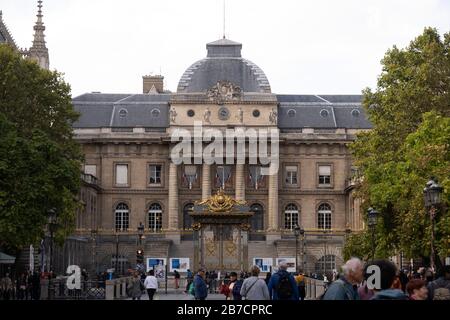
<point x="220" y="203"/>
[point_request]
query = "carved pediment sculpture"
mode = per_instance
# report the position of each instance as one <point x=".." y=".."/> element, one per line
<point x="224" y="91"/>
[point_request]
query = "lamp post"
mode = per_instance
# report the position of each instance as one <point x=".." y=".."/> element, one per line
<point x="432" y="199"/>
<point x="372" y="222"/>
<point x="117" y="254"/>
<point x="140" y="251"/>
<point x="52" y="229"/>
<point x="140" y="233"/>
<point x="297" y="234"/>
<point x="302" y="234"/>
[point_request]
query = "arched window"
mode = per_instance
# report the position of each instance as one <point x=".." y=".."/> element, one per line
<point x="155" y="217"/>
<point x="187" y="220"/>
<point x="290" y="216"/>
<point x="257" y="220"/>
<point x="324" y="216"/>
<point x="122" y="217"/>
<point x="326" y="264"/>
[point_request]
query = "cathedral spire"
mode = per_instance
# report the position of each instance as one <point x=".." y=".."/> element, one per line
<point x="39" y="51"/>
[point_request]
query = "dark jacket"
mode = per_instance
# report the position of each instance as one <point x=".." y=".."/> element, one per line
<point x="201" y="291"/>
<point x="341" y="289"/>
<point x="273" y="284"/>
<point x="438" y="283"/>
<point x="390" y="294"/>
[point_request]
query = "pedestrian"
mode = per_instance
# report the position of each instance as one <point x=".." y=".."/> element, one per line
<point x="390" y="286"/>
<point x="301" y="284"/>
<point x="189" y="280"/>
<point x="177" y="279"/>
<point x="439" y="289"/>
<point x="282" y="285"/>
<point x="417" y="290"/>
<point x="201" y="290"/>
<point x="234" y="292"/>
<point x="151" y="284"/>
<point x="268" y="276"/>
<point x="254" y="288"/>
<point x="135" y="287"/>
<point x="6" y="286"/>
<point x="345" y="287"/>
<point x="36" y="286"/>
<point x="21" y="287"/>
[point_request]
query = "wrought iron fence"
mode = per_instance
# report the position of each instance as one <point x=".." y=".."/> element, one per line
<point x="89" y="290"/>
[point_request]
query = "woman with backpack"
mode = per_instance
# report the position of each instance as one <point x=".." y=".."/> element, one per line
<point x="254" y="288"/>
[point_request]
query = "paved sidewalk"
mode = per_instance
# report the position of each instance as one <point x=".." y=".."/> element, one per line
<point x="173" y="294"/>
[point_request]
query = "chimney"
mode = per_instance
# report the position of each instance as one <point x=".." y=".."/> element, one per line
<point x="153" y="84"/>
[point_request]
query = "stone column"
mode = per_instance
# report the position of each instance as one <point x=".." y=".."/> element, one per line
<point x="273" y="233"/>
<point x="206" y="181"/>
<point x="273" y="203"/>
<point x="173" y="197"/>
<point x="240" y="183"/>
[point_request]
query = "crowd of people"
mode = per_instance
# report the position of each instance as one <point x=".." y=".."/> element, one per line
<point x="354" y="283"/>
<point x="359" y="283"/>
<point x="27" y="286"/>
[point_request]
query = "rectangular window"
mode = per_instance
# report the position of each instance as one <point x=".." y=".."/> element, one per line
<point x="291" y="175"/>
<point x="155" y="174"/>
<point x="324" y="175"/>
<point x="121" y="174"/>
<point x="190" y="177"/>
<point x="223" y="177"/>
<point x="90" y="169"/>
<point x="255" y="178"/>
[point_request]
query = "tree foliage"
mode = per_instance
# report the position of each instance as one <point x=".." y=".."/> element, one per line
<point x="409" y="143"/>
<point x="39" y="160"/>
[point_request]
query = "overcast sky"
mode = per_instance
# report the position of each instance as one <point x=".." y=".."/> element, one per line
<point x="304" y="47"/>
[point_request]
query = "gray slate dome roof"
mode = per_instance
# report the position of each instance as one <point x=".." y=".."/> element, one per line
<point x="223" y="63"/>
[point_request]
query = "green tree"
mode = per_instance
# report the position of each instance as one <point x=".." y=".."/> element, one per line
<point x="409" y="143"/>
<point x="39" y="160"/>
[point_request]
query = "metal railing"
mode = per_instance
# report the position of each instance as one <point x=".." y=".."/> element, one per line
<point x="56" y="289"/>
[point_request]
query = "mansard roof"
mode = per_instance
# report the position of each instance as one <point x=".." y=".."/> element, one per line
<point x="322" y="112"/>
<point x="152" y="111"/>
<point x="122" y="110"/>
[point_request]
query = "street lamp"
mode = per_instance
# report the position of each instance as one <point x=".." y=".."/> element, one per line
<point x="52" y="229"/>
<point x="297" y="234"/>
<point x="302" y="234"/>
<point x="372" y="222"/>
<point x="140" y="251"/>
<point x="432" y="199"/>
<point x="140" y="233"/>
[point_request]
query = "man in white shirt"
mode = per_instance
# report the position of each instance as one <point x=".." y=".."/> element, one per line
<point x="151" y="284"/>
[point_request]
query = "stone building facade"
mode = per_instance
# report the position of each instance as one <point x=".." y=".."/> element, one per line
<point x="129" y="177"/>
<point x="126" y="140"/>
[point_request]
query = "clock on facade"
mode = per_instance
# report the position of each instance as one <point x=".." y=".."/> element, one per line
<point x="224" y="113"/>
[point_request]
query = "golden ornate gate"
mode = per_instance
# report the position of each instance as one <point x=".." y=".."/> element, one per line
<point x="221" y="226"/>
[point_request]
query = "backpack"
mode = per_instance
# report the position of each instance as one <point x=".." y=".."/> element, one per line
<point x="192" y="289"/>
<point x="284" y="287"/>
<point x="441" y="294"/>
<point x="237" y="290"/>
